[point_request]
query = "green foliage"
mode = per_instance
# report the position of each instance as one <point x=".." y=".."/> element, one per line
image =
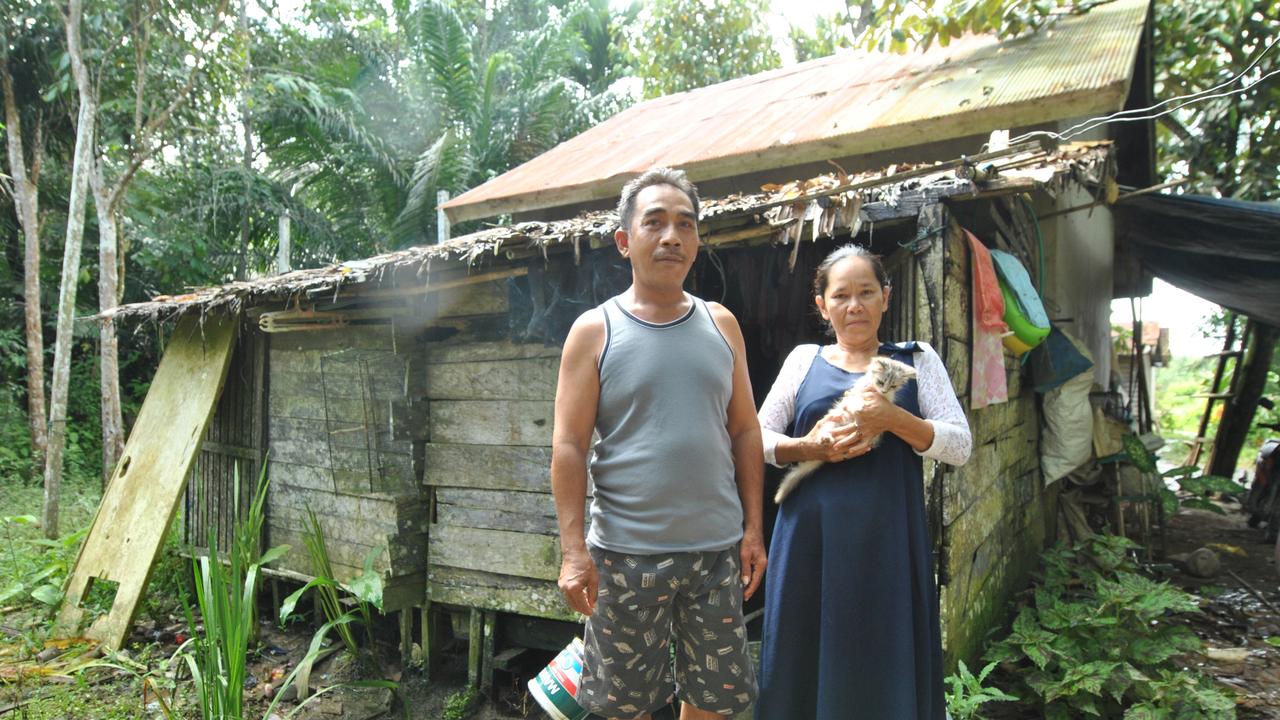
<point x="1195" y="486"/>
<point x="37" y="572"/>
<point x="1228" y="146"/>
<point x="1096" y="640"/>
<point x="966" y="694"/>
<point x="1178" y="414"/>
<point x="459" y="705"/>
<point x="227" y="597"/>
<point x="680" y="45"/>
<point x="15" y="439"/>
<point x="365" y="589"/>
<point x="830" y="34"/>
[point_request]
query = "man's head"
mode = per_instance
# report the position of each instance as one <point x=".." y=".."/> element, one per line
<point x="653" y="176"/>
<point x="658" y="229"/>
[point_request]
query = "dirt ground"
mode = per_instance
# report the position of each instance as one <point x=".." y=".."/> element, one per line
<point x="1240" y="613"/>
<point x="1239" y="619"/>
<point x="1241" y="606"/>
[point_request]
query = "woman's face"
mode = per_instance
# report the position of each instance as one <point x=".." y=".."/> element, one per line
<point x="854" y="301"/>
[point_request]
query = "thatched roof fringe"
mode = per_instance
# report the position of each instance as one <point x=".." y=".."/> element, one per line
<point x="779" y="211"/>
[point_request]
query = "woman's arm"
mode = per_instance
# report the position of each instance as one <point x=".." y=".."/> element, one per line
<point x="942" y="434"/>
<point x="779" y="407"/>
<point x="779" y="410"/>
<point x="952" y="441"/>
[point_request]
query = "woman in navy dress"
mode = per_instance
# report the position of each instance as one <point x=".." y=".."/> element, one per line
<point x="851" y="615"/>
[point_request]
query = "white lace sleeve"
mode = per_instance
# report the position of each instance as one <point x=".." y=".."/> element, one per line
<point x="952" y="441"/>
<point x="779" y="407"/>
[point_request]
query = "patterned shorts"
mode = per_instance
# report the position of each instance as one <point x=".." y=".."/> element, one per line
<point x="646" y="601"/>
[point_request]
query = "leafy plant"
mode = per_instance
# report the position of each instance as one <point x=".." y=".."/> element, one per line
<point x="967" y="694"/>
<point x="38" y="576"/>
<point x="459" y="705"/>
<point x="1192" y="483"/>
<point x="1096" y="639"/>
<point x="366" y="590"/>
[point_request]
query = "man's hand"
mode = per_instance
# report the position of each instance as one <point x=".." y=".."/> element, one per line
<point x="752" y="556"/>
<point x="579" y="581"/>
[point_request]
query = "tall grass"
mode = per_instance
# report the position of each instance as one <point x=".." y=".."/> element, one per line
<point x="227" y="597"/>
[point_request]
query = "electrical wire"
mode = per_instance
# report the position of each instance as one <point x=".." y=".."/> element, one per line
<point x="1120" y="116"/>
<point x="1179" y="107"/>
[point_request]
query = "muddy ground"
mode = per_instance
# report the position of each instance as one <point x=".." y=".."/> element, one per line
<point x="1240" y="607"/>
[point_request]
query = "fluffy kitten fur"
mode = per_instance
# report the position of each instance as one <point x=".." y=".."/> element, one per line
<point x="887" y="376"/>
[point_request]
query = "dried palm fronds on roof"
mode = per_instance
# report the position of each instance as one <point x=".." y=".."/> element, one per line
<point x="826" y="205"/>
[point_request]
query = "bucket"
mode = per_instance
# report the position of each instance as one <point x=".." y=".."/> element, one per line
<point x="556" y="687"/>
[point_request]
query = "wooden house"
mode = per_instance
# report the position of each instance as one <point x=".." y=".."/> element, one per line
<point x="406" y="399"/>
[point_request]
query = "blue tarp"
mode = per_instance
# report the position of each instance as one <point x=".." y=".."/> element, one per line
<point x="1225" y="251"/>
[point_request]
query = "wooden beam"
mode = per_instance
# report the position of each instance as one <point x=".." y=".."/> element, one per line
<point x="431" y="287"/>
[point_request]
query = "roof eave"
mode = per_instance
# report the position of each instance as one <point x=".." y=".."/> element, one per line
<point x="1064" y="106"/>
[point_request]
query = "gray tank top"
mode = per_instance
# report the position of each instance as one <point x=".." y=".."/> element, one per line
<point x="663" y="469"/>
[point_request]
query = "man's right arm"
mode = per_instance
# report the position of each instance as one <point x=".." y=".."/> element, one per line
<point x="577" y="397"/>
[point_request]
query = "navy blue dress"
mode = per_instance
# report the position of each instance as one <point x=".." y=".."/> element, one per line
<point x="851" y="618"/>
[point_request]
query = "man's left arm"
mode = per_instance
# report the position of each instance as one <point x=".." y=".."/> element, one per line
<point x="748" y="454"/>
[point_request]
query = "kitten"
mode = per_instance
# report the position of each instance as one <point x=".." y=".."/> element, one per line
<point x="887" y="377"/>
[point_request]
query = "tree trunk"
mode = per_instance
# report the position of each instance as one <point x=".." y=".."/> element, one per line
<point x="1237" y="417"/>
<point x="70" y="274"/>
<point x="26" y="203"/>
<point x="242" y="264"/>
<point x="108" y="345"/>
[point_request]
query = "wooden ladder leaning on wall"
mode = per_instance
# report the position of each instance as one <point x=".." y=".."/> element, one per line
<point x="1216" y="393"/>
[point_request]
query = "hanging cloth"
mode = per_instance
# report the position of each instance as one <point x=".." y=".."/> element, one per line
<point x="988" y="301"/>
<point x="989" y="384"/>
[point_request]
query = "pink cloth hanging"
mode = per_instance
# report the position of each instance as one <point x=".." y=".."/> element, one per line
<point x="989" y="385"/>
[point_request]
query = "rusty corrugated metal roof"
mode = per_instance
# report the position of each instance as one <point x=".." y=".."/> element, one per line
<point x="834" y="107"/>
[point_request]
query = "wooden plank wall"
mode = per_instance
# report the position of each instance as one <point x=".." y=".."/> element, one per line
<point x="494" y="540"/>
<point x="344" y="427"/>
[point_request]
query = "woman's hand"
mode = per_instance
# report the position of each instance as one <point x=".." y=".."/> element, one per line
<point x="877" y="415"/>
<point x="832" y="439"/>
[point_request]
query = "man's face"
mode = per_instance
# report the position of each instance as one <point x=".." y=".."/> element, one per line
<point x="662" y="241"/>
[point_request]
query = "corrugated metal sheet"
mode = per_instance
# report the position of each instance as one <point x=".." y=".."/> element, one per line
<point x="834" y="107"/>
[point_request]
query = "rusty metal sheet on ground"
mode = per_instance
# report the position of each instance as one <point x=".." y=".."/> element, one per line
<point x="130" y="526"/>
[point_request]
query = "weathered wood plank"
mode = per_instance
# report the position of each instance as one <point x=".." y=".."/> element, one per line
<point x="385" y="513"/>
<point x="495" y="519"/>
<point x="489" y="298"/>
<point x="530" y="503"/>
<point x="354" y="525"/>
<point x="300" y="476"/>
<point x="508" y="553"/>
<point x="133" y="517"/>
<point x="532" y="512"/>
<point x="522" y="596"/>
<point x="483" y="422"/>
<point x="359" y="337"/>
<point x="467" y="351"/>
<point x="498" y="467"/>
<point x="403" y="554"/>
<point x="331" y="385"/>
<point x="526" y="379"/>
<point x="315" y="406"/>
<point x="314" y="443"/>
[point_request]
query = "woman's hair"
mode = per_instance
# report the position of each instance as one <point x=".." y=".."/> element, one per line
<point x="823" y="275"/>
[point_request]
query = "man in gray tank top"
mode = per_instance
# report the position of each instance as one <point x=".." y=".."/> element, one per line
<point x="676" y="542"/>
